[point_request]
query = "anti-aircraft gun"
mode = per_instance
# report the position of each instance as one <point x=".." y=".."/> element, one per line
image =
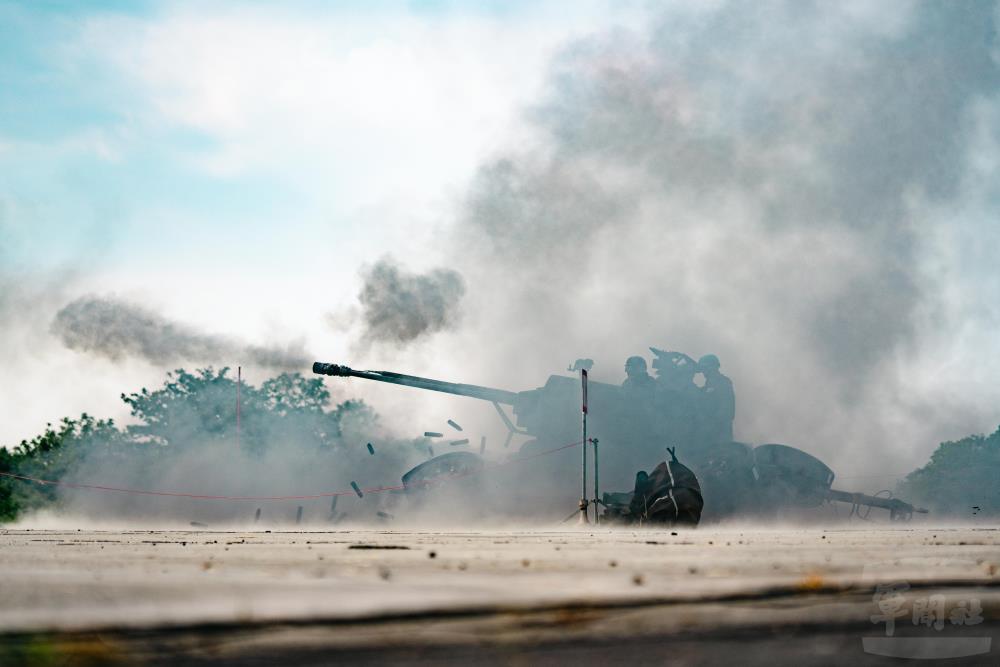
<point x="634" y="428"/>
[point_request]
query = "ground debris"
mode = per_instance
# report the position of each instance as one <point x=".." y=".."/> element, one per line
<point x="377" y="546"/>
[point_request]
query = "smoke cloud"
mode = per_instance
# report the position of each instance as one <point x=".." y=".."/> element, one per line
<point x="757" y="180"/>
<point x="398" y="306"/>
<point x="115" y="330"/>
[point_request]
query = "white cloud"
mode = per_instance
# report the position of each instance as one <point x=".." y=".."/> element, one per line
<point x="346" y="106"/>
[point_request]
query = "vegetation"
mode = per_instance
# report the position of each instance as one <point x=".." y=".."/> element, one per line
<point x="961" y="478"/>
<point x="50" y="456"/>
<point x="191" y="411"/>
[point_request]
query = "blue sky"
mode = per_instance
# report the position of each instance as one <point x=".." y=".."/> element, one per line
<point x="81" y="166"/>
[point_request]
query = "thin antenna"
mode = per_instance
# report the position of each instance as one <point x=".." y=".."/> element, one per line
<point x="239" y="384"/>
<point x="584" y="503"/>
<point x="597" y="507"/>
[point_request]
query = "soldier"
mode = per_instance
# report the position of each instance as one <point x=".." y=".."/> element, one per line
<point x="637" y="378"/>
<point x="720" y="399"/>
<point x="678" y="397"/>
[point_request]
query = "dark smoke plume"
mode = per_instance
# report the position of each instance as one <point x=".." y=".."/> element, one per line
<point x="400" y="307"/>
<point x="115" y="329"/>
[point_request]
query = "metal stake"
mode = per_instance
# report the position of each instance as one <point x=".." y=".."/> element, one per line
<point x="597" y="509"/>
<point x="239" y="385"/>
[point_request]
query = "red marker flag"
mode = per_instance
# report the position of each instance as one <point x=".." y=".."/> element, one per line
<point x="583" y="379"/>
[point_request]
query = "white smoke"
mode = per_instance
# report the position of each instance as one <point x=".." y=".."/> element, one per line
<point x="769" y="182"/>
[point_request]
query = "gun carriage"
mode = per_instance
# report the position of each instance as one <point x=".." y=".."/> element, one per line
<point x="634" y="428"/>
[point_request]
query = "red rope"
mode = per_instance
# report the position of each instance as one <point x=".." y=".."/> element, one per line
<point x="202" y="496"/>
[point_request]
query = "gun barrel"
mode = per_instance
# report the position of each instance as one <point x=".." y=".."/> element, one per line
<point x="471" y="390"/>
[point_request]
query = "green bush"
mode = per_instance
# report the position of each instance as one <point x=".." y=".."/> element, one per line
<point x="960" y="477"/>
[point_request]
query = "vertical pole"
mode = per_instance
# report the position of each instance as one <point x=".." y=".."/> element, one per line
<point x="584" y="455"/>
<point x="597" y="509"/>
<point x="584" y="503"/>
<point x="239" y="385"/>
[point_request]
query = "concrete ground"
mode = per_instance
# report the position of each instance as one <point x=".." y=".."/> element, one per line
<point x="582" y="596"/>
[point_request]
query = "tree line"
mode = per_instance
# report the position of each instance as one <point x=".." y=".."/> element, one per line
<point x="193" y="412"/>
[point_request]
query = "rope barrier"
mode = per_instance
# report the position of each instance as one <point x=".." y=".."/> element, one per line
<point x="314" y="496"/>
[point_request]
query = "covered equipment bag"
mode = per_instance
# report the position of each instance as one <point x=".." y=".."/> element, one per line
<point x="669" y="495"/>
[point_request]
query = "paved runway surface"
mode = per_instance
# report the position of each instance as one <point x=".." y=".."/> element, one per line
<point x="703" y="596"/>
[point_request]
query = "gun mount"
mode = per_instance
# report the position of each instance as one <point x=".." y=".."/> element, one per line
<point x="635" y="425"/>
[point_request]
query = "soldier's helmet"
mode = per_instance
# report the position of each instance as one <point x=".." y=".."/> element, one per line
<point x="709" y="361"/>
<point x="635" y="365"/>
